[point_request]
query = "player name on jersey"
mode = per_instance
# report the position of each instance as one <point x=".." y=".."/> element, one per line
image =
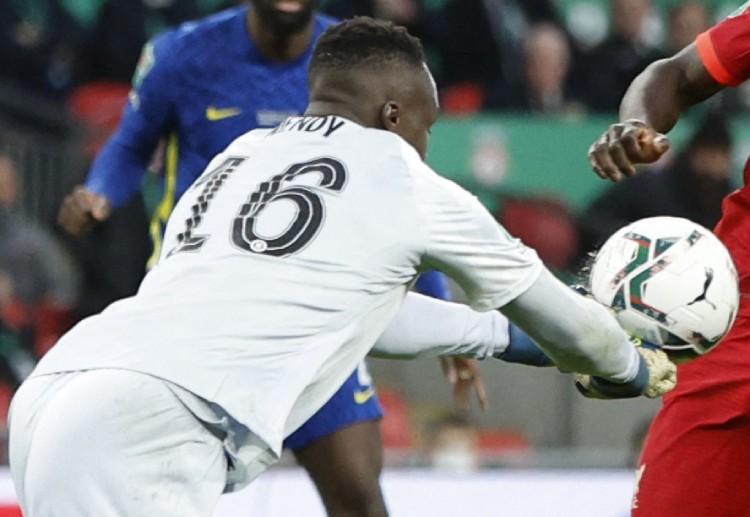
<point x="328" y="124"/>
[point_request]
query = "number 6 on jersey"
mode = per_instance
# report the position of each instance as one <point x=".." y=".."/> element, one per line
<point x="310" y="210"/>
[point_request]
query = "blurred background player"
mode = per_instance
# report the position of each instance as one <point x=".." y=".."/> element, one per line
<point x="697" y="447"/>
<point x="197" y="89"/>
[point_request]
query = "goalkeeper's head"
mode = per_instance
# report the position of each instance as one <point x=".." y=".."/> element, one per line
<point x="374" y="73"/>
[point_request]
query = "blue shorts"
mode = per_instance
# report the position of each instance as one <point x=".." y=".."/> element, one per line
<point x="354" y="402"/>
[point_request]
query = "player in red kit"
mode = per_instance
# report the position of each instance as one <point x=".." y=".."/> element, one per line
<point x="696" y="459"/>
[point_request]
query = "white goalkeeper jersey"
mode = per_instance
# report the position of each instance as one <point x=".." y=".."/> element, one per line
<point x="284" y="262"/>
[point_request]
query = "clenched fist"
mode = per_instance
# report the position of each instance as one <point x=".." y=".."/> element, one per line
<point x="623" y="145"/>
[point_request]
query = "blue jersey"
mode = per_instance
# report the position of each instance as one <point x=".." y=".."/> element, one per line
<point x="199" y="87"/>
<point x="435" y="284"/>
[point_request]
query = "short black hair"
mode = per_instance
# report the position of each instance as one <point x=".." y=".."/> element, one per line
<point x="365" y="42"/>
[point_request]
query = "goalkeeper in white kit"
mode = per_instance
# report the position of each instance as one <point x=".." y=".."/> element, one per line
<point x="282" y="266"/>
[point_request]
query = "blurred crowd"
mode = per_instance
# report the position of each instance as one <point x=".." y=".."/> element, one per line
<point x="528" y="56"/>
<point x="523" y="56"/>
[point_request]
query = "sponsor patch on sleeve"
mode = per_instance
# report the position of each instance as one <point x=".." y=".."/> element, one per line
<point x="145" y="64"/>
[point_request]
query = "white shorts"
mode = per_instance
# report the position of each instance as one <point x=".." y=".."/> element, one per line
<point x="117" y="443"/>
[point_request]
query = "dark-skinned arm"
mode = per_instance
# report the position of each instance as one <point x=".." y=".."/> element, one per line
<point x="651" y="107"/>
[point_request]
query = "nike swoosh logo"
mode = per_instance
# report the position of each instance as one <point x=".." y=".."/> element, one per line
<point x="362" y="396"/>
<point x="213" y="114"/>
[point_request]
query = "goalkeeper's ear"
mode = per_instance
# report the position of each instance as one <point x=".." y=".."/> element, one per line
<point x="390" y="116"/>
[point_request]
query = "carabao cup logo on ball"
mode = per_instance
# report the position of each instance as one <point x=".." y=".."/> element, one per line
<point x="669" y="281"/>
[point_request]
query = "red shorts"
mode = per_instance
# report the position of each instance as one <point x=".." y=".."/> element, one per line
<point x="696" y="459"/>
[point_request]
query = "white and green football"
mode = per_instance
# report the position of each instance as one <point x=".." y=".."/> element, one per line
<point x="669" y="281"/>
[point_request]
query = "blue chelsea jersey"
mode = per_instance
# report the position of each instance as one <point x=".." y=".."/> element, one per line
<point x="201" y="86"/>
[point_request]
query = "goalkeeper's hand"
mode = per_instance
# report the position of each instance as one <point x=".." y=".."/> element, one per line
<point x="656" y="376"/>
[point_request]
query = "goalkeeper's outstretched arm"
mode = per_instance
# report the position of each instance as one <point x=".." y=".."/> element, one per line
<point x="428" y="327"/>
<point x="580" y="335"/>
<point x="552" y="324"/>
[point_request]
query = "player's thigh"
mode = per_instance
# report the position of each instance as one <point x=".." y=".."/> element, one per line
<point x="119" y="443"/>
<point x="341" y="447"/>
<point x="349" y="455"/>
<point x="345" y="467"/>
<point x="692" y="469"/>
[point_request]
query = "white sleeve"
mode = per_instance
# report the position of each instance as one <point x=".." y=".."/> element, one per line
<point x="464" y="241"/>
<point x="428" y="327"/>
<point x="578" y="333"/>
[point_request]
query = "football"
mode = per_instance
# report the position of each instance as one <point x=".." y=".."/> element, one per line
<point x="669" y="281"/>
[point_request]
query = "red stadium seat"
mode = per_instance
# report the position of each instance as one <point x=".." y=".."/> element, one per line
<point x="501" y="440"/>
<point x="505" y="447"/>
<point x="462" y="99"/>
<point x="52" y="321"/>
<point x="6" y="394"/>
<point x="396" y="427"/>
<point x="545" y="224"/>
<point x="98" y="107"/>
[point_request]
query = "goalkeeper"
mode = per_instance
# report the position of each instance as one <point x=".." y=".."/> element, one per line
<point x="197" y="88"/>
